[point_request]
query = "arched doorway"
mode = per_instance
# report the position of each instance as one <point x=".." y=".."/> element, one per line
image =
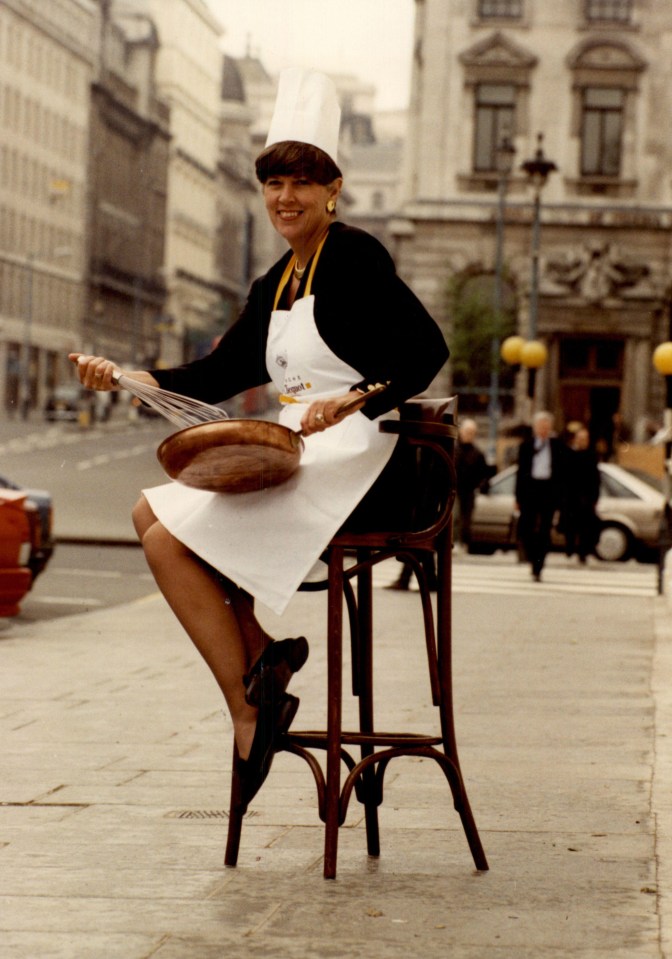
<point x="590" y="381"/>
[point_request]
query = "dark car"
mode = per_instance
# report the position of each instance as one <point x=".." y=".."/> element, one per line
<point x="67" y="403"/>
<point x="630" y="508"/>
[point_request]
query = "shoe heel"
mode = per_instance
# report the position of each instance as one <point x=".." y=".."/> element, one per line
<point x="265" y="687"/>
<point x="269" y="677"/>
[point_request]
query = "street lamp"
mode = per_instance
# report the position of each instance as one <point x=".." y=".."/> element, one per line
<point x="511" y="348"/>
<point x="537" y="170"/>
<point x="504" y="158"/>
<point x="662" y="360"/>
<point x="532" y="354"/>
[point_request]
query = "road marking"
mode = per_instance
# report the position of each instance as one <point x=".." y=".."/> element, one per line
<point x="56" y="437"/>
<point x="98" y="573"/>
<point x="514" y="580"/>
<point x="102" y="459"/>
<point x="67" y="601"/>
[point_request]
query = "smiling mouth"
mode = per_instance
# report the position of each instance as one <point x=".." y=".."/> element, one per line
<point x="289" y="214"/>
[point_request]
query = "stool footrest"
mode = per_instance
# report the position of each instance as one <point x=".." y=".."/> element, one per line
<point x="318" y="739"/>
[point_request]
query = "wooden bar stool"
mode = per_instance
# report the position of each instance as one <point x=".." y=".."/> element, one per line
<point x="422" y="512"/>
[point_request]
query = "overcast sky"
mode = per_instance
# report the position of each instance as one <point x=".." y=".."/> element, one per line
<point x="371" y="39"/>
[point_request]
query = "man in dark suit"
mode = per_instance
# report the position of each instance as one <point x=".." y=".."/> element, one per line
<point x="538" y="490"/>
<point x="472" y="471"/>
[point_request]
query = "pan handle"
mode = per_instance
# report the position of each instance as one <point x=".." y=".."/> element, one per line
<point x="359" y="401"/>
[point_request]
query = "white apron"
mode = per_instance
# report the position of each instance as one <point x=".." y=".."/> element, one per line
<point x="268" y="541"/>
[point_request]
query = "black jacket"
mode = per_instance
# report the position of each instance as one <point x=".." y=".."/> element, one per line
<point x="524" y="475"/>
<point x="363" y="311"/>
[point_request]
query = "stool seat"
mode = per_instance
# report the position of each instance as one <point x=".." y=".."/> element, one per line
<point x="421" y="497"/>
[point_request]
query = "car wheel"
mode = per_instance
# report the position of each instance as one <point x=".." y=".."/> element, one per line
<point x="614" y="543"/>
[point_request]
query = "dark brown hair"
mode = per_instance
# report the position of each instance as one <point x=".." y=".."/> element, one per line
<point x="292" y="158"/>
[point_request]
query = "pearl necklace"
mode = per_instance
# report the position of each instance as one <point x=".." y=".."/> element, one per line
<point x="300" y="270"/>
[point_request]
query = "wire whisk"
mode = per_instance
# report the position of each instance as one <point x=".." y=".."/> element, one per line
<point x="181" y="410"/>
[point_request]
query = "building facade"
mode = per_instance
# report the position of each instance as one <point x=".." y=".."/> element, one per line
<point x="189" y="79"/>
<point x="594" y="77"/>
<point x="128" y="174"/>
<point x="47" y="64"/>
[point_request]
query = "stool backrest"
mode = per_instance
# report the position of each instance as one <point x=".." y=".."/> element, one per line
<point x="424" y="464"/>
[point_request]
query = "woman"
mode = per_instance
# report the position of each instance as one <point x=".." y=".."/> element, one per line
<point x="328" y="319"/>
<point x="579" y="520"/>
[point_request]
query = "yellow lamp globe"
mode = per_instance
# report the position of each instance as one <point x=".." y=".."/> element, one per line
<point x="533" y="354"/>
<point x="510" y="349"/>
<point x="662" y="358"/>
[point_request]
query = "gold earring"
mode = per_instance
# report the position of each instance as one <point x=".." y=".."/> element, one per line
<point x="331" y="206"/>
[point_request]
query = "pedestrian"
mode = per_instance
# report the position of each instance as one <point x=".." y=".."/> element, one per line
<point x="581" y="489"/>
<point x="328" y="319"/>
<point x="403" y="580"/>
<point x="538" y="490"/>
<point x="472" y="471"/>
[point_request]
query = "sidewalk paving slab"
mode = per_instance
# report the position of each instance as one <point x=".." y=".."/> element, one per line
<point x="115" y="787"/>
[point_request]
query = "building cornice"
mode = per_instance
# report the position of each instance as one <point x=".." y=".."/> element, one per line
<point x="561" y="214"/>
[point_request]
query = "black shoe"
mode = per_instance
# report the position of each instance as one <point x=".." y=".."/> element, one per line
<point x="272" y="724"/>
<point x="401" y="584"/>
<point x="268" y="679"/>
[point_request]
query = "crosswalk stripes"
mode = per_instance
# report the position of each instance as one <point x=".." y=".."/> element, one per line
<point x="507" y="577"/>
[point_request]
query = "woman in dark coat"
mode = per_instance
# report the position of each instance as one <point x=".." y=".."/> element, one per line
<point x="579" y="519"/>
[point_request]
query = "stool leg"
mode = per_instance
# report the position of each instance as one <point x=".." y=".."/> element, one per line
<point x="236" y="813"/>
<point x="365" y="668"/>
<point x="334" y="710"/>
<point x="446" y="711"/>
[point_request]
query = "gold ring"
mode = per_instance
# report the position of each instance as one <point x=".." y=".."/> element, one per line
<point x="319" y="417"/>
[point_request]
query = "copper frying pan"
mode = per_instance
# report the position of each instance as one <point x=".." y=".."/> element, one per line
<point x="237" y="456"/>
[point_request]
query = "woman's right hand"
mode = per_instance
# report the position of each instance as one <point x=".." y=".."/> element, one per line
<point x="94" y="372"/>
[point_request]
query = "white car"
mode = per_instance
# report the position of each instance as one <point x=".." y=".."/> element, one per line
<point x="630" y="508"/>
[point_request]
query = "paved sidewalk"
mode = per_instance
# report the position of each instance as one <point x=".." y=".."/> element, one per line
<point x="116" y="758"/>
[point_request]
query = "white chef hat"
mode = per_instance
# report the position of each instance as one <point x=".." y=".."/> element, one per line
<point x="306" y="110"/>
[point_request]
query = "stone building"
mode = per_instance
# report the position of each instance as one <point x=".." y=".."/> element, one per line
<point x="127" y="188"/>
<point x="595" y="78"/>
<point x="237" y="194"/>
<point x="189" y="80"/>
<point x="47" y="64"/>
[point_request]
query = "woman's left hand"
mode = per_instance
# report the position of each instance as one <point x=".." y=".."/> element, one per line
<point x="322" y="414"/>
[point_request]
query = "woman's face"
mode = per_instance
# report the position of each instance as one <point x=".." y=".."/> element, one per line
<point x="297" y="208"/>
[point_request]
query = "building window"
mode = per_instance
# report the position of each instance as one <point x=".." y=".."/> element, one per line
<point x="495" y="110"/>
<point x="601" y="131"/>
<point x="500" y="9"/>
<point x="608" y="11"/>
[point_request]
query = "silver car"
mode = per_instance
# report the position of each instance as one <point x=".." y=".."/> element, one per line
<point x="630" y="508"/>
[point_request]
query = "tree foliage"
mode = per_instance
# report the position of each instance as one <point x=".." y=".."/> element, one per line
<point x="475" y="323"/>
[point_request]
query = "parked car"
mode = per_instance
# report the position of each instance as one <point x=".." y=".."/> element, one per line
<point x="66" y="404"/>
<point x="630" y="507"/>
<point x="39" y="507"/>
<point x="16" y="531"/>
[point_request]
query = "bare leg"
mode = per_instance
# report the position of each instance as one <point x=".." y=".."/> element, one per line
<point x="204" y="604"/>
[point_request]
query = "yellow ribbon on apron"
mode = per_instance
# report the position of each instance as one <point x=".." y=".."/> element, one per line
<point x="284" y="279"/>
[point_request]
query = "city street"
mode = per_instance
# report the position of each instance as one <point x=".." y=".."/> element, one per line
<point x="84" y="578"/>
<point x="94" y="474"/>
